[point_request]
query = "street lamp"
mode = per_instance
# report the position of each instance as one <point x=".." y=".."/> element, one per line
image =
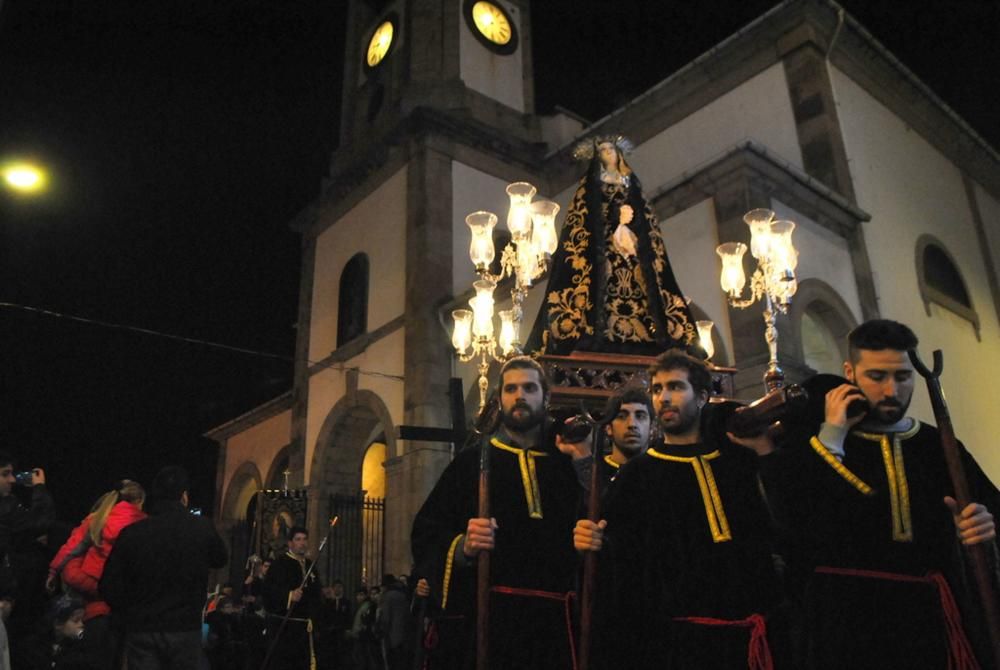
<point x="23" y="177"/>
<point x="773" y="281"/>
<point x="525" y="258"/>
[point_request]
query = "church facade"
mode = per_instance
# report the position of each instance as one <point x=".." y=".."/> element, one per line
<point x="896" y="201"/>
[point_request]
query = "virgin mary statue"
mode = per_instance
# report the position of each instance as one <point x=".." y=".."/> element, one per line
<point x="610" y="285"/>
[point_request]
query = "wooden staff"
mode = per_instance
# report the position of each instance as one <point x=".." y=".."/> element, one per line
<point x="590" y="557"/>
<point x="487" y="424"/>
<point x="953" y="458"/>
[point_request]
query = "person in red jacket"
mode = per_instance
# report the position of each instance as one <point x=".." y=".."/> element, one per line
<point x="80" y="561"/>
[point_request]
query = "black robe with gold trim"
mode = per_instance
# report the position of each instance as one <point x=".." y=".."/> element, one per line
<point x="534" y="496"/>
<point x="598" y="300"/>
<point x="689" y="536"/>
<point x="879" y="510"/>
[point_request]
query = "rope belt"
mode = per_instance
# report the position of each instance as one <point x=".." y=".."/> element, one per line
<point x="960" y="655"/>
<point x="758" y="652"/>
<point x="566" y="598"/>
<point x="309" y="631"/>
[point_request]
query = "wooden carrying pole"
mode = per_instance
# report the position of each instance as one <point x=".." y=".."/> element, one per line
<point x="483" y="561"/>
<point x="590" y="557"/>
<point x="953" y="458"/>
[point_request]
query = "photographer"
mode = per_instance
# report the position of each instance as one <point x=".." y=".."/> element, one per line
<point x="20" y="527"/>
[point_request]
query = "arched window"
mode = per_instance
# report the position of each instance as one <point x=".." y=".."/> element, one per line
<point x="352" y="301"/>
<point x="941" y="282"/>
<point x="820" y="349"/>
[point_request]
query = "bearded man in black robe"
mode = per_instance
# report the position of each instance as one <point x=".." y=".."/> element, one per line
<point x="534" y="498"/>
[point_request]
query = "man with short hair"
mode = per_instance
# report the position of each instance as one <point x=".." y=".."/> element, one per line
<point x="873" y="522"/>
<point x="288" y="591"/>
<point x="687" y="537"/>
<point x="534" y="497"/>
<point x="156" y="577"/>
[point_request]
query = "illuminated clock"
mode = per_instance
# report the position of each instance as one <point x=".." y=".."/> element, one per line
<point x="492" y="26"/>
<point x="380" y="43"/>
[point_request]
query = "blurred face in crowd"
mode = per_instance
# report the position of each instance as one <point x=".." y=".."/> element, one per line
<point x="360" y="596"/>
<point x="298" y="543"/>
<point x="6" y="607"/>
<point x="338" y="590"/>
<point x="6" y="479"/>
<point x="629" y="430"/>
<point x="72" y="628"/>
<point x="374" y="594"/>
<point x="522" y="400"/>
<point x="264" y="567"/>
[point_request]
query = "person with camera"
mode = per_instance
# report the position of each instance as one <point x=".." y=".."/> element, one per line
<point x="686" y="534"/>
<point x="20" y="527"/>
<point x="155" y="578"/>
<point x="873" y="527"/>
<point x="534" y="499"/>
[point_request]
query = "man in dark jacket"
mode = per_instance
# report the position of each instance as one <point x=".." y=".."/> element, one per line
<point x="155" y="579"/>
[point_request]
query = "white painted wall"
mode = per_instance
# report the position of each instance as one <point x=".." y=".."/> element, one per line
<point x="823" y="255"/>
<point x="691" y="238"/>
<point x="499" y="77"/>
<point x="327" y="388"/>
<point x="258" y="444"/>
<point x="758" y="109"/>
<point x="377" y="227"/>
<point x="910" y="189"/>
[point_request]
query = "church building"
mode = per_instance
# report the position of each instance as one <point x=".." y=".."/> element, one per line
<point x="896" y="202"/>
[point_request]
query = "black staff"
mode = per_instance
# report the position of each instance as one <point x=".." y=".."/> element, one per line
<point x="953" y="459"/>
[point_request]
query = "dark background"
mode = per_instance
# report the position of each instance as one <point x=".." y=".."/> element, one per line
<point x="183" y="136"/>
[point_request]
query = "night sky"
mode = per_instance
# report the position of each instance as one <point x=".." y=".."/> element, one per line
<point x="183" y="136"/>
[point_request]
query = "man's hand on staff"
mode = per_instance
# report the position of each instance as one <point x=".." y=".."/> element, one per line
<point x="480" y="536"/>
<point x="974" y="523"/>
<point x="589" y="536"/>
<point x="296" y="595"/>
<point x="423" y="588"/>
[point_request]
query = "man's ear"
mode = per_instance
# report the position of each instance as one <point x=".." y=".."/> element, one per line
<point x="849" y="371"/>
<point x="184" y="498"/>
<point x="702" y="399"/>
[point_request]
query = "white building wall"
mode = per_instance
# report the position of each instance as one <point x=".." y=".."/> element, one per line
<point x="379" y="368"/>
<point x="499" y="77"/>
<point x="909" y="188"/>
<point x="823" y="255"/>
<point x="377" y="227"/>
<point x="691" y="238"/>
<point x="759" y="109"/>
<point x="258" y="444"/>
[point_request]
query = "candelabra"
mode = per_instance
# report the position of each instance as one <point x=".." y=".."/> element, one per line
<point x="525" y="258"/>
<point x="773" y="281"/>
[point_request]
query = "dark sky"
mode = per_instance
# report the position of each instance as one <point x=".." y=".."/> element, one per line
<point x="183" y="136"/>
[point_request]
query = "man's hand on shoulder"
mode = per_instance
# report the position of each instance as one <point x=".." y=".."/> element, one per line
<point x="974" y="523"/>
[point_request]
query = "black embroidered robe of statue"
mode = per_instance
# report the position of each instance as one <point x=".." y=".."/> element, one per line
<point x="596" y="298"/>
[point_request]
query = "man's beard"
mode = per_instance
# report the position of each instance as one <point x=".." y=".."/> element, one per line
<point x="630" y="450"/>
<point x="527" y="421"/>
<point x="889" y="412"/>
<point x="687" y="418"/>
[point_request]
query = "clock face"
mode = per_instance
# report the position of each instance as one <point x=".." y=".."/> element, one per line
<point x="491" y="22"/>
<point x="380" y="44"/>
<point x="492" y="26"/>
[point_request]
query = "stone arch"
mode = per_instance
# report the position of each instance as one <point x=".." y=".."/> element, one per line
<point x="352" y="424"/>
<point x="822" y="302"/>
<point x="274" y="472"/>
<point x="244" y="483"/>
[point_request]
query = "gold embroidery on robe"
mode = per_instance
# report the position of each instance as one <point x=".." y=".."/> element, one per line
<point x="448" y="567"/>
<point x="714" y="512"/>
<point x="839" y="467"/>
<point x="529" y="478"/>
<point x="895" y="473"/>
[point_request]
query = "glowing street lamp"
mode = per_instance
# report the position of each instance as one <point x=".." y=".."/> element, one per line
<point x="23" y="177"/>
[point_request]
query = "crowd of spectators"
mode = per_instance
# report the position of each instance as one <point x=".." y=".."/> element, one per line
<point x="126" y="587"/>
